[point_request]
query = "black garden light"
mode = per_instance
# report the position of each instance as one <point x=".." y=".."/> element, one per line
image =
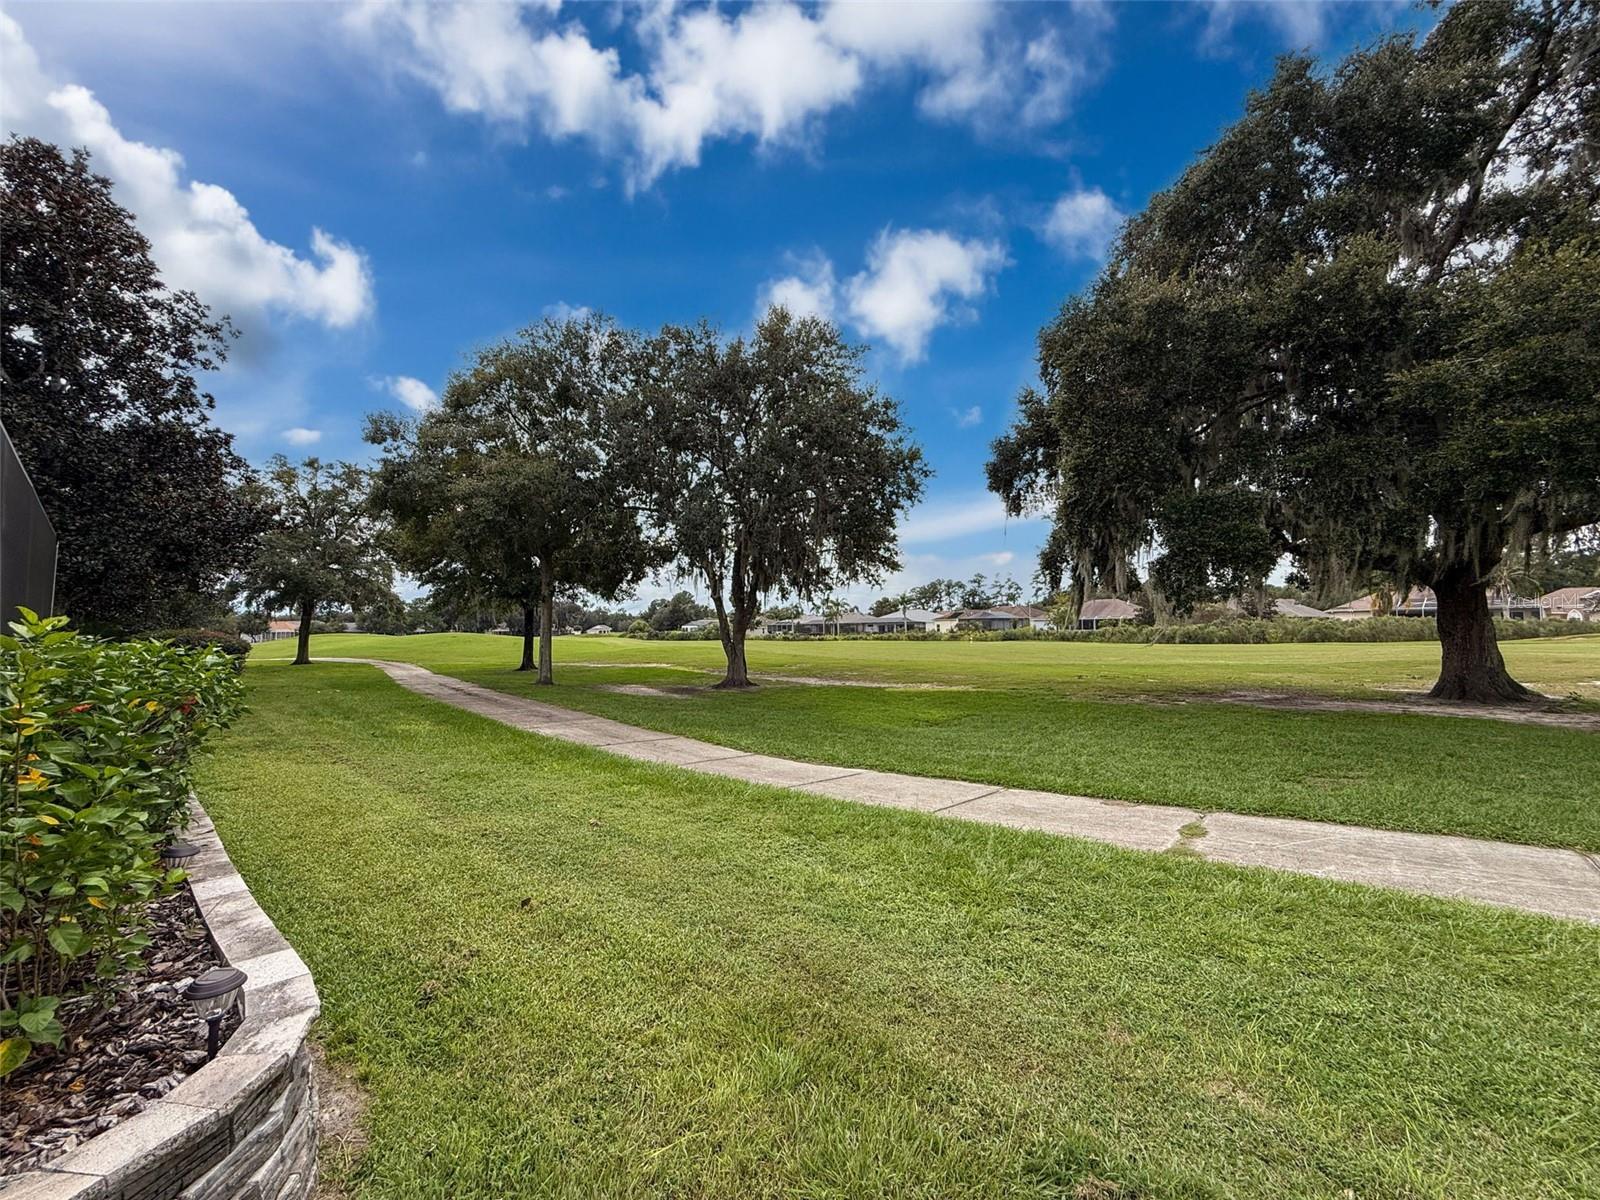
<point x="213" y="995"/>
<point x="177" y="854"/>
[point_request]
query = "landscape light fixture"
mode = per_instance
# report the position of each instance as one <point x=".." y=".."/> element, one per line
<point x="213" y="996"/>
<point x="176" y="854"/>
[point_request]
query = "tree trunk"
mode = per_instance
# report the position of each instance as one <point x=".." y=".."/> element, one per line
<point x="302" y="654"/>
<point x="738" y="675"/>
<point x="1471" y="668"/>
<point x="527" y="638"/>
<point x="732" y="630"/>
<point x="547" y="617"/>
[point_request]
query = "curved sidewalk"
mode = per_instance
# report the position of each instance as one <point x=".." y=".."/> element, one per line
<point x="1559" y="883"/>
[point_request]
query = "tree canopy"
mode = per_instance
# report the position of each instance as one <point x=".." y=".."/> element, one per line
<point x="668" y="613"/>
<point x="324" y="545"/>
<point x="939" y="594"/>
<point x="1362" y="331"/>
<point x="510" y="490"/>
<point x="100" y="361"/>
<point x="770" y="465"/>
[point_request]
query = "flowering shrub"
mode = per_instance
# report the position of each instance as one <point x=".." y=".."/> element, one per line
<point x="95" y="748"/>
<point x="231" y="644"/>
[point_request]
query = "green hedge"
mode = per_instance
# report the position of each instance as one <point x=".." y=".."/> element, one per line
<point x="1279" y="630"/>
<point x="1246" y="631"/>
<point x="94" y="779"/>
<point x="231" y="644"/>
<point x="708" y="634"/>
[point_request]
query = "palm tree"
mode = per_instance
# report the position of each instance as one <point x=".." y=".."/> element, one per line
<point x="831" y="608"/>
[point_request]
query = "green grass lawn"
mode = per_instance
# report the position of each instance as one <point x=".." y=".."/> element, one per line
<point x="1058" y="716"/>
<point x="562" y="973"/>
<point x="1559" y="666"/>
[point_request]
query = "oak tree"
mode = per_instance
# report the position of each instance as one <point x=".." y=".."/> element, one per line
<point x="770" y="464"/>
<point x="323" y="547"/>
<point x="510" y="491"/>
<point x="1361" y="331"/>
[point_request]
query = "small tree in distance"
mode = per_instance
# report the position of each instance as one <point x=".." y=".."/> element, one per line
<point x="675" y="612"/>
<point x="386" y="614"/>
<point x="324" y="546"/>
<point x="769" y="463"/>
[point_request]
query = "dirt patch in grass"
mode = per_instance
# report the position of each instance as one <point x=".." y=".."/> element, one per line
<point x="630" y="665"/>
<point x="887" y="684"/>
<point x="682" y="691"/>
<point x="674" y="692"/>
<point x="1551" y="712"/>
<point x="342" y="1127"/>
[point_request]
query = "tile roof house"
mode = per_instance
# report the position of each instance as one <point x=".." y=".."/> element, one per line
<point x="1421" y="602"/>
<point x="1572" y="604"/>
<point x="1036" y="617"/>
<point x="277" y="628"/>
<point x="1000" y="617"/>
<point x="1284" y="608"/>
<point x="1293" y="608"/>
<point x="1096" y="613"/>
<point x="910" y="620"/>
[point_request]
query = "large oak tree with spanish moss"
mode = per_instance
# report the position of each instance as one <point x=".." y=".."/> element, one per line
<point x="1362" y="330"/>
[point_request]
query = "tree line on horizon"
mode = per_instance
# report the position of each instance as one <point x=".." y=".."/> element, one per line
<point x="1361" y="333"/>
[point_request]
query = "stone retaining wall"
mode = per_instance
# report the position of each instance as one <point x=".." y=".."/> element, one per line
<point x="243" y="1126"/>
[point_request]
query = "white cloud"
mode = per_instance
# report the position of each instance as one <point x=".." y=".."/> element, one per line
<point x="201" y="236"/>
<point x="943" y="37"/>
<point x="562" y="311"/>
<point x="413" y="393"/>
<point x="1030" y="83"/>
<point x="913" y="283"/>
<point x="999" y="558"/>
<point x="1083" y="224"/>
<point x="769" y="72"/>
<point x="809" y="292"/>
<point x="967" y="418"/>
<point x="1300" y="24"/>
<point x="960" y="516"/>
<point x="299" y="436"/>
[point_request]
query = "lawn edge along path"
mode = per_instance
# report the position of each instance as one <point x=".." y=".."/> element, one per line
<point x="1551" y="882"/>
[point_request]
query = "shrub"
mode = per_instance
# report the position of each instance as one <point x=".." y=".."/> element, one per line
<point x="1236" y="631"/>
<point x="709" y="633"/>
<point x="1278" y="630"/>
<point x="231" y="644"/>
<point x="640" y="629"/>
<point x="94" y="779"/>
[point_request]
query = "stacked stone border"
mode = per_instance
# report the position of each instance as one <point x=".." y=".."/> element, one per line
<point x="243" y="1127"/>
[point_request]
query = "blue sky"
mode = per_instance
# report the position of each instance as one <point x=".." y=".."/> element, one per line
<point x="371" y="190"/>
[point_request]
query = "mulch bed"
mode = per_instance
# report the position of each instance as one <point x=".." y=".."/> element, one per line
<point x="118" y="1059"/>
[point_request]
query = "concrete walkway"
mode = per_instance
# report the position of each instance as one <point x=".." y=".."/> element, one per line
<point x="1560" y="883"/>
